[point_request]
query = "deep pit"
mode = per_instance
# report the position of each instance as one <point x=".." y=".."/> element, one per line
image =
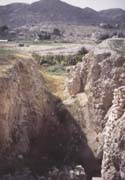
<point x="38" y="135"/>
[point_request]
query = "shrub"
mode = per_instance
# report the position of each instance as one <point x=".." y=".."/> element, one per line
<point x="57" y="69"/>
<point x="43" y="35"/>
<point x="83" y="51"/>
<point x="36" y="57"/>
<point x="56" y="32"/>
<point x="3" y="28"/>
<point x="21" y="45"/>
<point x="103" y="36"/>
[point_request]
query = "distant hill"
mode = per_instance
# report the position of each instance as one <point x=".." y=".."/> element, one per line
<point x="54" y="11"/>
<point x="114" y="15"/>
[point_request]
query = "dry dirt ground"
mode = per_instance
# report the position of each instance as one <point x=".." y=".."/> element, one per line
<point x="48" y="47"/>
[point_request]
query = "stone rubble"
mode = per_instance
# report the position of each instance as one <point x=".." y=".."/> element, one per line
<point x="66" y="173"/>
<point x="113" y="136"/>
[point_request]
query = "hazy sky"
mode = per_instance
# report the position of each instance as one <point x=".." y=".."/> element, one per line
<point x="95" y="4"/>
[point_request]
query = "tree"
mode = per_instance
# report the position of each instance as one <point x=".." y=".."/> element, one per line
<point x="56" y="32"/>
<point x="43" y="35"/>
<point x="4" y="28"/>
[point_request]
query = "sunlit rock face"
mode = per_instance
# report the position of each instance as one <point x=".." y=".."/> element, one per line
<point x="102" y="70"/>
<point x="91" y="86"/>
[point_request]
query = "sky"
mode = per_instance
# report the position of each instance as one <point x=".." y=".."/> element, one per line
<point x="95" y="4"/>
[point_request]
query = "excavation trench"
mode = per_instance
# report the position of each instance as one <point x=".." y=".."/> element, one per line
<point x="62" y="144"/>
<point x="37" y="132"/>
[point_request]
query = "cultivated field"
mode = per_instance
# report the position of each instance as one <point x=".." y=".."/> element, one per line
<point x="47" y="47"/>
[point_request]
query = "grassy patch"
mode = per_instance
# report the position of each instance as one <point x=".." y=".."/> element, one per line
<point x="5" y="53"/>
<point x="55" y="83"/>
<point x="57" y="70"/>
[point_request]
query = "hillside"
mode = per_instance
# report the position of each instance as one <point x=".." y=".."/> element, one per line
<point x="117" y="15"/>
<point x="56" y="11"/>
<point x="19" y="14"/>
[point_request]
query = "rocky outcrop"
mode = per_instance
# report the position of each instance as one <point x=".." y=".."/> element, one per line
<point x="101" y="71"/>
<point x="95" y="79"/>
<point x="113" y="163"/>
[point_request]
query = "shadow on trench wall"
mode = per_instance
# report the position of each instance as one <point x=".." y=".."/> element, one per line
<point x="61" y="142"/>
<point x="65" y="144"/>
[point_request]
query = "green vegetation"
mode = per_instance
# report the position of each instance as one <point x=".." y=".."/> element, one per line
<point x="3" y="29"/>
<point x="56" y="69"/>
<point x="43" y="35"/>
<point x="5" y="52"/>
<point x="56" y="32"/>
<point x="64" y="60"/>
